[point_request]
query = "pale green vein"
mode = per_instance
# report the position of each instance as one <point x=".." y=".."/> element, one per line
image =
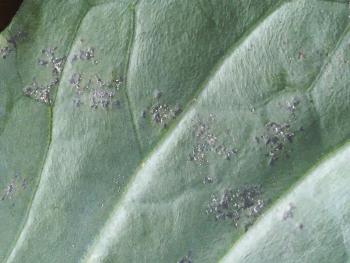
<point x="126" y="74"/>
<point x="10" y="255"/>
<point x="212" y="72"/>
<point x="324" y="68"/>
<point x="329" y="58"/>
<point x="187" y="109"/>
<point x="317" y="76"/>
<point x="200" y="89"/>
<point x="311" y="86"/>
<point x="340" y="147"/>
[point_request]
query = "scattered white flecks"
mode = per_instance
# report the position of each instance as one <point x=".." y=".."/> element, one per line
<point x="208" y="180"/>
<point x="160" y="112"/>
<point x="56" y="63"/>
<point x="12" y="188"/>
<point x="95" y="91"/>
<point x="276" y="137"/>
<point x="208" y="143"/>
<point x="38" y="93"/>
<point x="292" y="106"/>
<point x="101" y="98"/>
<point x="87" y="54"/>
<point x="9" y="191"/>
<point x="12" y="42"/>
<point x="43" y="92"/>
<point x="101" y="93"/>
<point x="75" y="81"/>
<point x="256" y="208"/>
<point x="5" y="51"/>
<point x="237" y="204"/>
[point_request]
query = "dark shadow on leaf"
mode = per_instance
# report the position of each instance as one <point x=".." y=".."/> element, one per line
<point x="8" y="9"/>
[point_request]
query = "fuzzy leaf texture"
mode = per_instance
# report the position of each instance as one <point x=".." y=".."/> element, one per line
<point x="175" y="131"/>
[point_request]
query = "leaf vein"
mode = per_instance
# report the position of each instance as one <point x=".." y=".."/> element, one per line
<point x="189" y="106"/>
<point x="126" y="73"/>
<point x="311" y="86"/>
<point x="9" y="256"/>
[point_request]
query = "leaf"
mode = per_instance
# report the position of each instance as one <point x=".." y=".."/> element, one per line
<point x="165" y="131"/>
<point x="309" y="224"/>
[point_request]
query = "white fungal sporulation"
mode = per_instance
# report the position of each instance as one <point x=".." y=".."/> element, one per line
<point x="11" y="189"/>
<point x="275" y="138"/>
<point x="75" y="80"/>
<point x="56" y="63"/>
<point x="101" y="93"/>
<point x="38" y="93"/>
<point x="87" y="54"/>
<point x="84" y="55"/>
<point x="208" y="180"/>
<point x="43" y="92"/>
<point x="12" y="42"/>
<point x="291" y="106"/>
<point x="207" y="143"/>
<point x="93" y="90"/>
<point x="162" y="113"/>
<point x="237" y="205"/>
<point x="101" y="97"/>
<point x="5" y="51"/>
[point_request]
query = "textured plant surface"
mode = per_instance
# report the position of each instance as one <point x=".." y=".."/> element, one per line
<point x="175" y="131"/>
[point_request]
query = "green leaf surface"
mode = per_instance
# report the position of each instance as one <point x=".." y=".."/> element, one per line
<point x="175" y="131"/>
